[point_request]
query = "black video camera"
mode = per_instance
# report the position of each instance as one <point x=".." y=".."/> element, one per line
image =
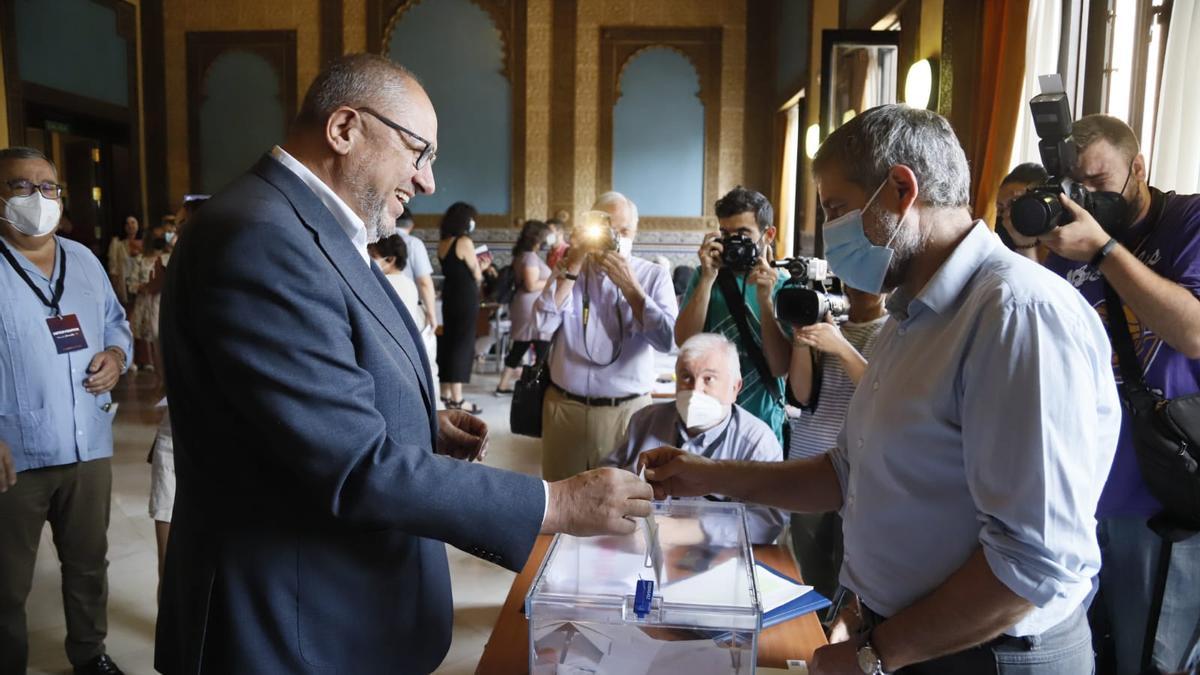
<point x="739" y="253"/>
<point x="1039" y="210"/>
<point x="810" y="294"/>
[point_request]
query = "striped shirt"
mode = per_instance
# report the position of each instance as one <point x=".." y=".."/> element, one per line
<point x="815" y="431"/>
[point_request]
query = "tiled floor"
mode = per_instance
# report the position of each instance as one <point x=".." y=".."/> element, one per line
<point x="479" y="587"/>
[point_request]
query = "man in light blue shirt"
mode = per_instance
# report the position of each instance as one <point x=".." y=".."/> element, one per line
<point x="977" y="444"/>
<point x="64" y="342"/>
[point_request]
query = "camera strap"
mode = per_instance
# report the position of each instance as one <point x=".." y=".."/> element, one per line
<point x="737" y="309"/>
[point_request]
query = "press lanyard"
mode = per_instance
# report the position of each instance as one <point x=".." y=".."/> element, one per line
<point x="53" y="302"/>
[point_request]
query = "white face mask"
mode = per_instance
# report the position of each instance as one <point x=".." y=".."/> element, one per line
<point x="551" y="239"/>
<point x="33" y="215"/>
<point x="625" y="246"/>
<point x="471" y="227"/>
<point x="699" y="410"/>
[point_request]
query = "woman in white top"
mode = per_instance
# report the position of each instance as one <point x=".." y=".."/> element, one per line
<point x="531" y="276"/>
<point x="123" y="251"/>
<point x="391" y="254"/>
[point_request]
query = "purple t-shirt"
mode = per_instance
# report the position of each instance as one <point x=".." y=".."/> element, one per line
<point x="1173" y="251"/>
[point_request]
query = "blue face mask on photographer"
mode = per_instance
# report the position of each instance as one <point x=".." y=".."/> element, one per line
<point x="852" y="257"/>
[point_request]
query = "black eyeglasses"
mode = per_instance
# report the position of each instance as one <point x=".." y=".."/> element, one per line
<point x="428" y="152"/>
<point x="23" y="188"/>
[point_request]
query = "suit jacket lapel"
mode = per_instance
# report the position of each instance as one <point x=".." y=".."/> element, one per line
<point x="370" y="290"/>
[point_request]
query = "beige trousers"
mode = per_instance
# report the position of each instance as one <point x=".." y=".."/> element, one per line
<point x="575" y="437"/>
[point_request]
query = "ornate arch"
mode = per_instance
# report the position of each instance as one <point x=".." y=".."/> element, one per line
<point x="617" y="94"/>
<point x="509" y="17"/>
<point x="702" y="48"/>
<point x="499" y="11"/>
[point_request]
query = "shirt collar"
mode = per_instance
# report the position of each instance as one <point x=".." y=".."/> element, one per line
<point x="342" y="213"/>
<point x="948" y="283"/>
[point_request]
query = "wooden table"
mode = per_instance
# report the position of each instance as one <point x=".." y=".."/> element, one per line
<point x="507" y="650"/>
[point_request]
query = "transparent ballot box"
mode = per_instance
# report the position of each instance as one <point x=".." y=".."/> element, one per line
<point x="588" y="614"/>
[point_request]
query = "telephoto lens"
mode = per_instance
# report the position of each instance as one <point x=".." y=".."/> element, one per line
<point x="802" y="306"/>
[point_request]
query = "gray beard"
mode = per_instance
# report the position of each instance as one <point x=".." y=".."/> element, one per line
<point x="906" y="244"/>
<point x="373" y="206"/>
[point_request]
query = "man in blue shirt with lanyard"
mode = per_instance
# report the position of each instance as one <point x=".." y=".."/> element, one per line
<point x="64" y="343"/>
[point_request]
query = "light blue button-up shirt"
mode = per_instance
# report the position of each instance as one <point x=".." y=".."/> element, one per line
<point x="47" y="418"/>
<point x="577" y="361"/>
<point x="988" y="416"/>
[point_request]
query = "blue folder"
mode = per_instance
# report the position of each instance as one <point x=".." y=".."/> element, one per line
<point x="809" y="602"/>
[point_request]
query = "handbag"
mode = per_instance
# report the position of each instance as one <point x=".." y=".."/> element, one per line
<point x="1166" y="432"/>
<point x="525" y="415"/>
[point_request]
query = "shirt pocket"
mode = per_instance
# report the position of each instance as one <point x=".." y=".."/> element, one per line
<point x="29" y="433"/>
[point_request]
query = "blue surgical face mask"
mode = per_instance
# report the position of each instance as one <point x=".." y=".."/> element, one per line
<point x="852" y="257"/>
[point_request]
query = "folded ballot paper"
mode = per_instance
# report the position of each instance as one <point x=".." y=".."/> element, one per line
<point x="781" y="597"/>
<point x="784" y="598"/>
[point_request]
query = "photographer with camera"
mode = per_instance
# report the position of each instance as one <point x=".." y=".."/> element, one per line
<point x="734" y="261"/>
<point x="1016" y="183"/>
<point x="973" y="453"/>
<point x="611" y="311"/>
<point x="1150" y="256"/>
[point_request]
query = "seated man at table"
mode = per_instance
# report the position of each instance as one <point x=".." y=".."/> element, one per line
<point x="704" y="420"/>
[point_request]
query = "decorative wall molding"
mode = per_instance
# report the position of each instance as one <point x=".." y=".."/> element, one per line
<point x="701" y="47"/>
<point x="276" y="47"/>
<point x="511" y="18"/>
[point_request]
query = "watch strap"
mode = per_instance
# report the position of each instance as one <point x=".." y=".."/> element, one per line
<point x="1103" y="253"/>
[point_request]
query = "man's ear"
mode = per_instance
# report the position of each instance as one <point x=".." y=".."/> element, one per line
<point x="737" y="389"/>
<point x="341" y="129"/>
<point x="903" y="184"/>
<point x="1139" y="167"/>
<point x="769" y="234"/>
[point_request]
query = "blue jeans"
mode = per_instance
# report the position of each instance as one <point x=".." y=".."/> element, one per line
<point x="1129" y="552"/>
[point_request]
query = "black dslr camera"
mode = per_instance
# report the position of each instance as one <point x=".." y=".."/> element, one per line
<point x="1039" y="210"/>
<point x="595" y="232"/>
<point x="810" y="294"/>
<point x="738" y="252"/>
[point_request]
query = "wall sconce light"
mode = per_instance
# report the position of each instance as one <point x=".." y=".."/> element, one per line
<point x="812" y="140"/>
<point x="919" y="89"/>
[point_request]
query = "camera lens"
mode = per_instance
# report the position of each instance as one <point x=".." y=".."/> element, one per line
<point x="1035" y="213"/>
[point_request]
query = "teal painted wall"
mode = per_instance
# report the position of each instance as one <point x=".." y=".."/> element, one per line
<point x="456" y="52"/>
<point x="72" y="46"/>
<point x="241" y="117"/>
<point x="658" y="135"/>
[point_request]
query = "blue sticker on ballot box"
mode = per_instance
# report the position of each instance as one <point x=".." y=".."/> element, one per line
<point x="643" y="597"/>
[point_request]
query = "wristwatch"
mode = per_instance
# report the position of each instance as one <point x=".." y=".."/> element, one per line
<point x="868" y="661"/>
<point x="1102" y="253"/>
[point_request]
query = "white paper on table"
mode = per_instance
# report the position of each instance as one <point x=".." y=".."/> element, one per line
<point x="775" y="591"/>
<point x="719" y="585"/>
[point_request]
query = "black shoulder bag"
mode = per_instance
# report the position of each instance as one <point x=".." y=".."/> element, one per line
<point x="1166" y="441"/>
<point x="737" y="309"/>
<point x="525" y="415"/>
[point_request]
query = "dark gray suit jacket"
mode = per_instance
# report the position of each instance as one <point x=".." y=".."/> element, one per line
<point x="311" y="510"/>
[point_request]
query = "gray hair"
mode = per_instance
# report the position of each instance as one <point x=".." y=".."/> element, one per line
<point x="353" y="81"/>
<point x="869" y="145"/>
<point x="613" y="197"/>
<point x="701" y="344"/>
<point x="20" y="152"/>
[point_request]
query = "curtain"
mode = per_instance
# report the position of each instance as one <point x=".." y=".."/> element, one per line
<point x="1041" y="58"/>
<point x="997" y="100"/>
<point x="1175" y="158"/>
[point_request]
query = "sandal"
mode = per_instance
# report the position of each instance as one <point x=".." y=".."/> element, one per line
<point x="502" y="392"/>
<point x="465" y="406"/>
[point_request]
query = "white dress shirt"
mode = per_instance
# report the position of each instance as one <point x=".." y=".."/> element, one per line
<point x="342" y="213"/>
